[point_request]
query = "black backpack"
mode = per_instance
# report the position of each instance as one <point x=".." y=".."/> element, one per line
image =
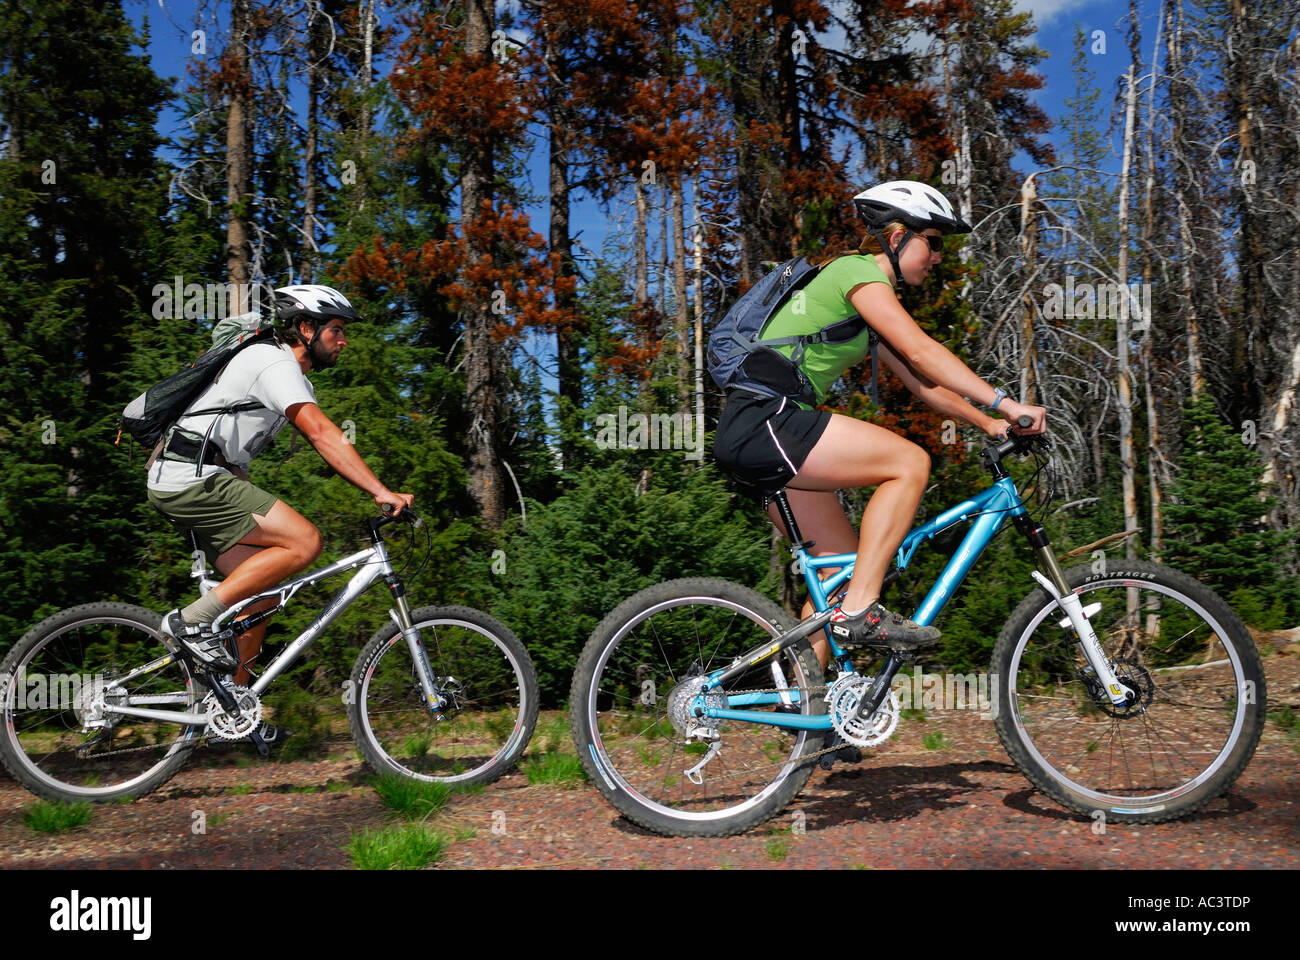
<point x="148" y="416"/>
<point x="738" y="359"/>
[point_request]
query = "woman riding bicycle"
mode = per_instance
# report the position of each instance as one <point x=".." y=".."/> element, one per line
<point x="772" y="442"/>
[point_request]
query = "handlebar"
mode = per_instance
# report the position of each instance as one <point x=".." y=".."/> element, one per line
<point x="1014" y="443"/>
<point x="406" y="514"/>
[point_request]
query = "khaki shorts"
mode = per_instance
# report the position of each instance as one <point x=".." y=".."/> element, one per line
<point x="218" y="509"/>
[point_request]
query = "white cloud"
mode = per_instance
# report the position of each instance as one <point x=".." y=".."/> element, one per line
<point x="1045" y="11"/>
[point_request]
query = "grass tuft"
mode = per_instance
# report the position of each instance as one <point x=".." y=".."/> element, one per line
<point x="934" y="740"/>
<point x="413" y="799"/>
<point x="407" y="846"/>
<point x="48" y="816"/>
<point x="560" y="769"/>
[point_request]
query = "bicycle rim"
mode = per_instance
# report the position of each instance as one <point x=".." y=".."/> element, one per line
<point x="1197" y="689"/>
<point x="61" y="677"/>
<point x="637" y="684"/>
<point x="483" y="725"/>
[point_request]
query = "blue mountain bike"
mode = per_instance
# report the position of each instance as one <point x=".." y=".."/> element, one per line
<point x="700" y="709"/>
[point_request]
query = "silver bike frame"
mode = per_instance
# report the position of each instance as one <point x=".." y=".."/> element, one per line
<point x="373" y="563"/>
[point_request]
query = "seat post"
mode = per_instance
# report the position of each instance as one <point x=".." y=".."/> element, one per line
<point x="787" y="517"/>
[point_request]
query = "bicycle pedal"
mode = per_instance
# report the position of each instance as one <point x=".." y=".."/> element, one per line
<point x="256" y="740"/>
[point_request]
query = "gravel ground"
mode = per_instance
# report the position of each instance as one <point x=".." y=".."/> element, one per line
<point x="961" y="806"/>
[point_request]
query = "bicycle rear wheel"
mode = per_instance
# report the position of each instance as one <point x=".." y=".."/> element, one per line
<point x="57" y="740"/>
<point x="487" y="677"/>
<point x="1190" y="729"/>
<point x="630" y="703"/>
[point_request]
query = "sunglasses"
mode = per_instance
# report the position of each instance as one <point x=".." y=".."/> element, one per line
<point x="936" y="243"/>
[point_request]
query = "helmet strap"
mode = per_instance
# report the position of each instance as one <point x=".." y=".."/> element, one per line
<point x="309" y="344"/>
<point x="892" y="252"/>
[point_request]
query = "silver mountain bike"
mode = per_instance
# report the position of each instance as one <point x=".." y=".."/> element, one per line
<point x="100" y="705"/>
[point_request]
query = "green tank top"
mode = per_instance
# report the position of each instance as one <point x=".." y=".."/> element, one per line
<point x="826" y="301"/>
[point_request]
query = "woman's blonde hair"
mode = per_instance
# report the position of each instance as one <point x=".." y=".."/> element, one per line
<point x="869" y="247"/>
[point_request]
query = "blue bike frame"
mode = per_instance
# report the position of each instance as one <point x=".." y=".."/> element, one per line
<point x="990" y="508"/>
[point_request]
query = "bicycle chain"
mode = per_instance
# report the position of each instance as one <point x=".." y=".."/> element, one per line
<point x="804" y="757"/>
<point x="113" y="753"/>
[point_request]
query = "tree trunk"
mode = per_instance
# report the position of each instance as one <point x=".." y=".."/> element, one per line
<point x="1121" y="323"/>
<point x="1182" y="169"/>
<point x="788" y="84"/>
<point x="239" y="248"/>
<point x="481" y="368"/>
<point x="663" y="251"/>
<point x="1127" y="466"/>
<point x="1028" y="251"/>
<point x="639" y="239"/>
<point x="698" y="238"/>
<point x="316" y="47"/>
<point x="681" y="322"/>
<point x="559" y="124"/>
<point x="363" y="135"/>
<point x="1154" y="454"/>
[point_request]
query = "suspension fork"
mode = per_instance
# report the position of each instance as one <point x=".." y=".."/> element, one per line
<point x="401" y="615"/>
<point x="1057" y="587"/>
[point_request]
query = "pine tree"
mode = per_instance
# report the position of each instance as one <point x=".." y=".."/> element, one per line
<point x="79" y="249"/>
<point x="1216" y="517"/>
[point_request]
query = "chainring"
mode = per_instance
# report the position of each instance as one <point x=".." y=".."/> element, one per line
<point x="842" y="698"/>
<point x="225" y="727"/>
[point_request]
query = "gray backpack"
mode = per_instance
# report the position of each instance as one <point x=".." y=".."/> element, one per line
<point x="738" y="359"/>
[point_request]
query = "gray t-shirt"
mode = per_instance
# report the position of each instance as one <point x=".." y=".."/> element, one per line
<point x="266" y="373"/>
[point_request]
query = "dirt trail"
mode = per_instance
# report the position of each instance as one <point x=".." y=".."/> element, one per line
<point x="961" y="805"/>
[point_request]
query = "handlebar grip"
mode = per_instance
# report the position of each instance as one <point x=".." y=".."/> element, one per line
<point x="406" y="513"/>
<point x="1024" y="421"/>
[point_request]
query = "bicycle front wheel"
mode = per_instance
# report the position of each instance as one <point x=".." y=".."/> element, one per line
<point x="630" y="710"/>
<point x="1191" y="725"/>
<point x="57" y="738"/>
<point x="490" y="685"/>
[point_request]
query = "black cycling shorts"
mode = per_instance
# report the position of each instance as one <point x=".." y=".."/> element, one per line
<point x="763" y="441"/>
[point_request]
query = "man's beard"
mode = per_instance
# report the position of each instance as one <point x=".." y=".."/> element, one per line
<point x="320" y="356"/>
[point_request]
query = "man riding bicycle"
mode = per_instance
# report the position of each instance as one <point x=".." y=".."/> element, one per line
<point x="200" y="479"/>
<point x="770" y="442"/>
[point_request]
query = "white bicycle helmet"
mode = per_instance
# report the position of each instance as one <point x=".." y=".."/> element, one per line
<point x="311" y="301"/>
<point x="917" y="205"/>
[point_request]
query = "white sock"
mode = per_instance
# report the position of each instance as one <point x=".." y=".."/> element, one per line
<point x="854" y="613"/>
<point x="204" y="610"/>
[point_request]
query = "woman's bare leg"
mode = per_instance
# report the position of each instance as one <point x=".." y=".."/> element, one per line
<point x="852" y="453"/>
